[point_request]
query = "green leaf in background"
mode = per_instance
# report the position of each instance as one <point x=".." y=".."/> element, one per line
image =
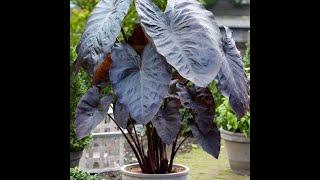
<point x="208" y="3"/>
<point x="77" y="174"/>
<point x="85" y="4"/>
<point x="227" y="119"/>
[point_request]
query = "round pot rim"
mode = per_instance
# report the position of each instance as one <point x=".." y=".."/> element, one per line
<point x="226" y="135"/>
<point x="133" y="174"/>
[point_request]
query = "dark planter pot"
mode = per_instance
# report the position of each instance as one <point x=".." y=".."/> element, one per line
<point x="75" y="158"/>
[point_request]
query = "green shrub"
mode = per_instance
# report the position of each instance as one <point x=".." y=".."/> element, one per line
<point x="185" y="129"/>
<point x="218" y="97"/>
<point x="227" y="119"/>
<point x="130" y="22"/>
<point x="208" y="3"/>
<point x="161" y="4"/>
<point x="77" y="174"/>
<point x="85" y="4"/>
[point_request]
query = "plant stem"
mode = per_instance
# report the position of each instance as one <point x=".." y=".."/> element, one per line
<point x="157" y="153"/>
<point x="135" y="143"/>
<point x="142" y="146"/>
<point x="132" y="147"/>
<point x="181" y="143"/>
<point x="150" y="149"/>
<point x="174" y="144"/>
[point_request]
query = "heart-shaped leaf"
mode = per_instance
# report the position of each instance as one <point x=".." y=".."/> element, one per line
<point x="121" y="115"/>
<point x="102" y="28"/>
<point x="210" y="142"/>
<point x="186" y="35"/>
<point x="167" y="122"/>
<point x="90" y="112"/>
<point x="231" y="79"/>
<point x="201" y="104"/>
<point x="139" y="83"/>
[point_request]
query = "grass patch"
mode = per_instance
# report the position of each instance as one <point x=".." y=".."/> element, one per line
<point x="205" y="167"/>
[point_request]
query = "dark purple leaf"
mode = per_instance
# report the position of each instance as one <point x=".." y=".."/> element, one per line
<point x="201" y="104"/>
<point x="102" y="28"/>
<point x="231" y="79"/>
<point x="139" y="83"/>
<point x="121" y="115"/>
<point x="187" y="35"/>
<point x="90" y="112"/>
<point x="138" y="40"/>
<point x="210" y="142"/>
<point x="167" y="122"/>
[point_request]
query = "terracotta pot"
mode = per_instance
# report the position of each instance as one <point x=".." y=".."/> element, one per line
<point x="238" y="150"/>
<point x="128" y="175"/>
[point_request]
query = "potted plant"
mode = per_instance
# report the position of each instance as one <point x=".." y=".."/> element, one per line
<point x="236" y="134"/>
<point x="77" y="174"/>
<point x="163" y="68"/>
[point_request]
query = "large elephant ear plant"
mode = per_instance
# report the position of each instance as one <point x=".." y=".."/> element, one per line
<point x="165" y="66"/>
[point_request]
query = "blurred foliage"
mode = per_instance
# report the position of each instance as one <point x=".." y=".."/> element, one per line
<point x="161" y="4"/>
<point x="130" y="22"/>
<point x="77" y="174"/>
<point x="216" y="93"/>
<point x="208" y="3"/>
<point x="226" y="118"/>
<point x="85" y="4"/>
<point x="185" y="115"/>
